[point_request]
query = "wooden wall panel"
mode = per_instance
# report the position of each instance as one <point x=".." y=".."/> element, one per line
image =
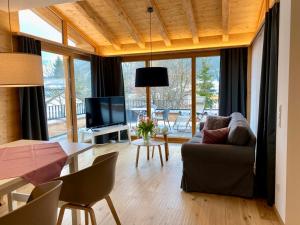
<point x="9" y="100"/>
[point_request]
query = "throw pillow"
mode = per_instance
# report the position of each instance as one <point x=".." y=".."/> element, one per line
<point x="216" y="122"/>
<point x="218" y="136"/>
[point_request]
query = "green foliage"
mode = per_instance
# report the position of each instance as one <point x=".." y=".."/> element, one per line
<point x="145" y="127"/>
<point x="205" y="87"/>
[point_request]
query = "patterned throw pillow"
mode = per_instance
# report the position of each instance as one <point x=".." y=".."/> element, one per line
<point x="218" y="136"/>
<point x="216" y="122"/>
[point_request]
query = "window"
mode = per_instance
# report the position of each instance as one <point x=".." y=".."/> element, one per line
<point x="171" y="106"/>
<point x="207" y="86"/>
<point x="83" y="88"/>
<point x="135" y="97"/>
<point x="33" y="24"/>
<point x="55" y="87"/>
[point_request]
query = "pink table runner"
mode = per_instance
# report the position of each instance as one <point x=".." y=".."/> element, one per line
<point x="35" y="163"/>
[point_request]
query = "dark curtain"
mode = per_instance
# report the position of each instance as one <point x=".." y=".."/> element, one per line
<point x="266" y="134"/>
<point x="32" y="99"/>
<point x="107" y="76"/>
<point x="107" y="80"/>
<point x="233" y="81"/>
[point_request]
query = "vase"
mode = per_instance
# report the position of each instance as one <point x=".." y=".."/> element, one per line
<point x="146" y="138"/>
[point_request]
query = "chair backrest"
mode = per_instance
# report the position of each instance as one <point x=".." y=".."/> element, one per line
<point x="91" y="184"/>
<point x="166" y="114"/>
<point x="132" y="116"/>
<point x="41" y="208"/>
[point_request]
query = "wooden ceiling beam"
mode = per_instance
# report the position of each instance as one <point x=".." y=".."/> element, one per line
<point x="116" y="6"/>
<point x="188" y="8"/>
<point x="57" y="12"/>
<point x="225" y="19"/>
<point x="87" y="10"/>
<point x="162" y="27"/>
<point x="261" y="13"/>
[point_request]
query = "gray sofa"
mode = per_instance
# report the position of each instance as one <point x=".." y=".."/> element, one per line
<point x="221" y="168"/>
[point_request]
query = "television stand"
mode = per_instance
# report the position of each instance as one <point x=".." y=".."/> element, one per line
<point x="94" y="132"/>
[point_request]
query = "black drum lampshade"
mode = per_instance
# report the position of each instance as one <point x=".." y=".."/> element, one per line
<point x="151" y="77"/>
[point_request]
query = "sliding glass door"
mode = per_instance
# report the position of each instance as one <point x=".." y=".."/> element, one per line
<point x="54" y="71"/>
<point x="83" y="89"/>
<point x="171" y="106"/>
<point x="135" y="98"/>
<point x="207" y="86"/>
<point x="192" y="94"/>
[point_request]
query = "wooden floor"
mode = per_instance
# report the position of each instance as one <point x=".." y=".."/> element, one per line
<point x="151" y="195"/>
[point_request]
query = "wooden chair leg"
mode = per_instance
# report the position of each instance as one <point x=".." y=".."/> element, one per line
<point x="137" y="156"/>
<point x="61" y="215"/>
<point x="86" y="217"/>
<point x="148" y="152"/>
<point x="93" y="217"/>
<point x="153" y="151"/>
<point x="112" y="209"/>
<point x="160" y="156"/>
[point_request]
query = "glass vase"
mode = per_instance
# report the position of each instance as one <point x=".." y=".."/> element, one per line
<point x="146" y="138"/>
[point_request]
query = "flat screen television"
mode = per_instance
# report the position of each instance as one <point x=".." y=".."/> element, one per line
<point x="105" y="111"/>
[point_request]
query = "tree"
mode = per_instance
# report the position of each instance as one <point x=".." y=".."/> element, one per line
<point x="178" y="94"/>
<point x="205" y="86"/>
<point x="58" y="68"/>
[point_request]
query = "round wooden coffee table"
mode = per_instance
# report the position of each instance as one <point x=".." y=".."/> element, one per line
<point x="140" y="143"/>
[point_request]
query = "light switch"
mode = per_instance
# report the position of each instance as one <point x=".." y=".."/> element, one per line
<point x="279" y="115"/>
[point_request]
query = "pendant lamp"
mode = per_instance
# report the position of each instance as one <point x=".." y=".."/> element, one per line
<point x="20" y="69"/>
<point x="151" y="76"/>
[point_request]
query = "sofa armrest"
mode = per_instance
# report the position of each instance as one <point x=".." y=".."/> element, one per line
<point x="216" y="153"/>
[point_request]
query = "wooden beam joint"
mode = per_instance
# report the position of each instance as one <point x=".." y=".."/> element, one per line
<point x="188" y="8"/>
<point x="87" y="10"/>
<point x="124" y="18"/>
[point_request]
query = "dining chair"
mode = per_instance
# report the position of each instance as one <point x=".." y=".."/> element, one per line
<point x="41" y="207"/>
<point x="81" y="190"/>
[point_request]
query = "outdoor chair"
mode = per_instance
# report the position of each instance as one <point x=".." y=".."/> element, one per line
<point x="182" y="120"/>
<point x="163" y="116"/>
<point x="200" y="106"/>
<point x="132" y="117"/>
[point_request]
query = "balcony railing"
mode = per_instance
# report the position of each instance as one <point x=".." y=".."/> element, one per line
<point x="55" y="112"/>
<point x="59" y="111"/>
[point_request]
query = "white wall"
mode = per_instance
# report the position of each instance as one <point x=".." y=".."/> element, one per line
<point x="257" y="49"/>
<point x="282" y="108"/>
<point x="288" y="133"/>
<point x="293" y="144"/>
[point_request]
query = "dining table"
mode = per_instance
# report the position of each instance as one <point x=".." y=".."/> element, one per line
<point x="9" y="186"/>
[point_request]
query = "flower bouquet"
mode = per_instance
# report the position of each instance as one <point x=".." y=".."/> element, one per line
<point x="145" y="128"/>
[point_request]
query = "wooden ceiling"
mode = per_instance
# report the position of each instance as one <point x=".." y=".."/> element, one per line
<point x="119" y="27"/>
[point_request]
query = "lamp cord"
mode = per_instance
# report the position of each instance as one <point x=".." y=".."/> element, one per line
<point x="150" y="39"/>
<point x="10" y="30"/>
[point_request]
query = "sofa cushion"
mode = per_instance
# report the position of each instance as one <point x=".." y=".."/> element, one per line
<point x="218" y="136"/>
<point x="216" y="122"/>
<point x="239" y="130"/>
